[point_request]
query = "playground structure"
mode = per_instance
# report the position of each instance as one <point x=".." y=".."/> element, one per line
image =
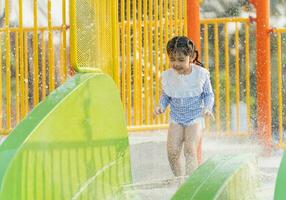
<point x="134" y="64"/>
<point x="137" y="59"/>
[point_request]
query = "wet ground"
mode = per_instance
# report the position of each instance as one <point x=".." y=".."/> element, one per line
<point x="153" y="178"/>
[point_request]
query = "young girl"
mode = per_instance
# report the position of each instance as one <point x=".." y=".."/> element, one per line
<point x="187" y="88"/>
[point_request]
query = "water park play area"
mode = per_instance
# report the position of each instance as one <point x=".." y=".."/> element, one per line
<point x="80" y="79"/>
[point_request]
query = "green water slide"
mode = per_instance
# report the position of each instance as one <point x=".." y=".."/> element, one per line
<point x="280" y="192"/>
<point x="73" y="145"/>
<point x="228" y="177"/>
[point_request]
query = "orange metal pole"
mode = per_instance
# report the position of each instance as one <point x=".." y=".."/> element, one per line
<point x="263" y="71"/>
<point x="193" y="19"/>
<point x="193" y="25"/>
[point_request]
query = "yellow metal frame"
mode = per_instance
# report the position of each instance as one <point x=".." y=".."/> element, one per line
<point x="63" y="47"/>
<point x="17" y="96"/>
<point x="35" y="55"/>
<point x="225" y="23"/>
<point x="140" y="75"/>
<point x="152" y="34"/>
<point x="21" y="49"/>
<point x="84" y="56"/>
<point x="205" y="23"/>
<point x="1" y="82"/>
<point x="17" y="87"/>
<point x="237" y="76"/>
<point x="169" y="20"/>
<point x="224" y="20"/>
<point x="51" y="49"/>
<point x="8" y="65"/>
<point x="128" y="62"/>
<point x="247" y="74"/>
<point x="73" y="37"/>
<point x="227" y="81"/>
<point x="155" y="64"/>
<point x="217" y="81"/>
<point x="44" y="92"/>
<point x="279" y="32"/>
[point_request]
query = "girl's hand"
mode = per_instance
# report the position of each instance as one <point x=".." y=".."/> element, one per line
<point x="208" y="114"/>
<point x="158" y="111"/>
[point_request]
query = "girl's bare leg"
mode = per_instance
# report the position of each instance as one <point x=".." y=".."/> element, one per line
<point x="174" y="147"/>
<point x="192" y="138"/>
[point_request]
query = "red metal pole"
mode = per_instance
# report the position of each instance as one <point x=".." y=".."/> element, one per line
<point x="193" y="19"/>
<point x="263" y="72"/>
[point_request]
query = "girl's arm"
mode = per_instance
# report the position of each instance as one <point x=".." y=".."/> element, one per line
<point x="164" y="101"/>
<point x="208" y="95"/>
<point x="164" y="98"/>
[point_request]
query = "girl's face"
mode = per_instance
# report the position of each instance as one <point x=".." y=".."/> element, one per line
<point x="180" y="62"/>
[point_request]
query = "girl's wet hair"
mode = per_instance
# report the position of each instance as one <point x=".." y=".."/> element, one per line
<point x="183" y="45"/>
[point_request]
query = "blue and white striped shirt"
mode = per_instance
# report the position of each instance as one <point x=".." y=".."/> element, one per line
<point x="188" y="95"/>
